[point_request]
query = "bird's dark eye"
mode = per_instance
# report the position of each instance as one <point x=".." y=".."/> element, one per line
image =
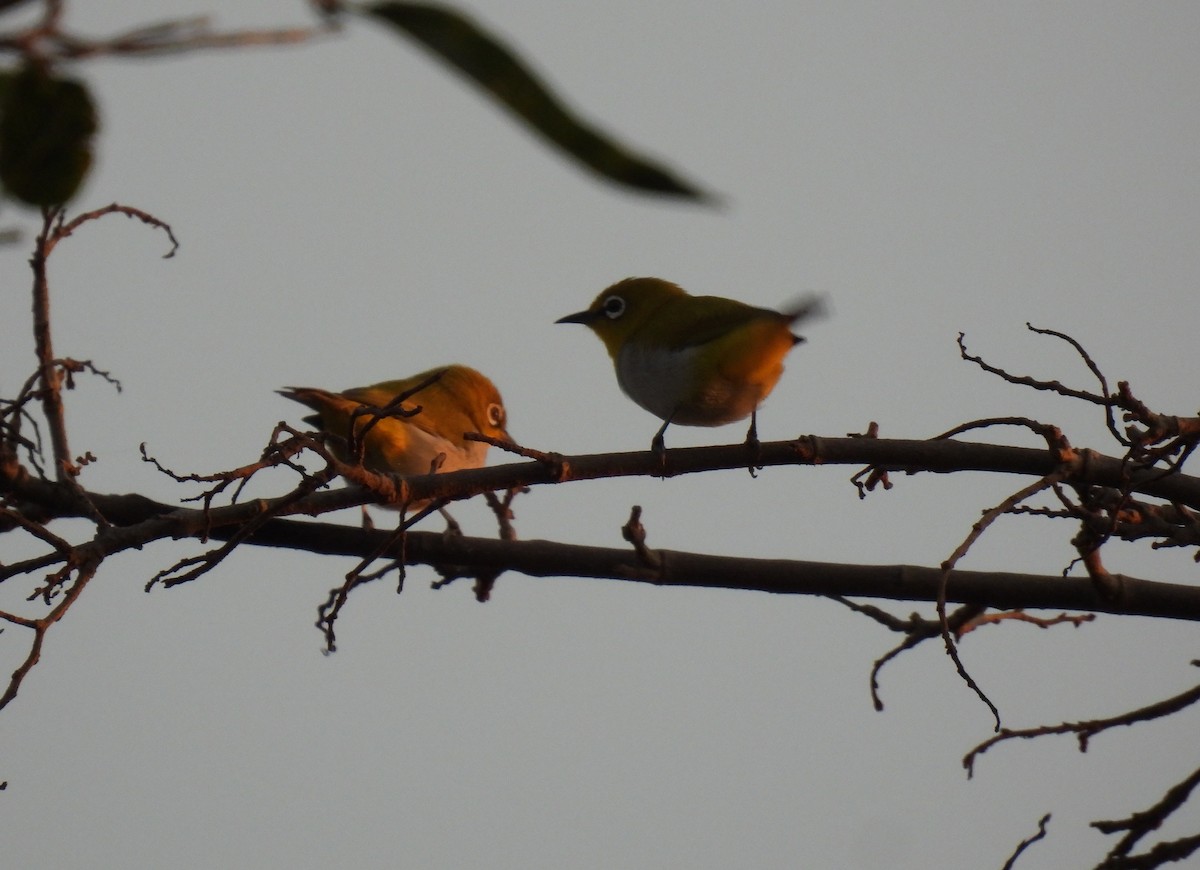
<point x="495" y="415"/>
<point x="613" y="307"/>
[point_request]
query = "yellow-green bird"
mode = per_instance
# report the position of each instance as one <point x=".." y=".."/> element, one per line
<point x="692" y="360"/>
<point x="456" y="401"/>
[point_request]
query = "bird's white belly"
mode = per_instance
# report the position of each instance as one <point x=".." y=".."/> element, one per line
<point x="424" y="448"/>
<point x="665" y="383"/>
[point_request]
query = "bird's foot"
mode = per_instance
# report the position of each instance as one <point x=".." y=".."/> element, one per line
<point x="754" y="448"/>
<point x="659" y="449"/>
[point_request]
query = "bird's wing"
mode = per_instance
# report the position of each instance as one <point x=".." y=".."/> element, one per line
<point x="442" y="414"/>
<point x="719" y="318"/>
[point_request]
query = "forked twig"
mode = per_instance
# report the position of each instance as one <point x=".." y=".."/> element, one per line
<point x="1140" y="824"/>
<point x="1087" y="729"/>
<point x="989" y="517"/>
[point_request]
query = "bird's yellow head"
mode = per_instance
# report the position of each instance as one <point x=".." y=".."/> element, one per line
<point x="623" y="308"/>
<point x="464" y="389"/>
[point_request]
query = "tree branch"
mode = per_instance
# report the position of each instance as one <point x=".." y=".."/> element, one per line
<point x="137" y="521"/>
<point x="1086" y="730"/>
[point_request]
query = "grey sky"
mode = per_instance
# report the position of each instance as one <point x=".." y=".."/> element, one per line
<point x="350" y="212"/>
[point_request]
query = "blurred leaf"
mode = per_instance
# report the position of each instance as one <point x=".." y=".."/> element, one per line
<point x="491" y="65"/>
<point x="46" y="127"/>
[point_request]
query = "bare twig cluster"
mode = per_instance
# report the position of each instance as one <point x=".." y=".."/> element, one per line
<point x="47" y="39"/>
<point x="1155" y="446"/>
<point x="1140" y="824"/>
<point x="76" y="565"/>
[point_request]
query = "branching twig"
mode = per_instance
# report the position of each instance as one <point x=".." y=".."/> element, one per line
<point x="1034" y="383"/>
<point x="917" y="628"/>
<point x="85" y="570"/>
<point x="865" y="480"/>
<point x="1085" y="730"/>
<point x="329" y="611"/>
<point x="1095" y="370"/>
<point x="197" y="566"/>
<point x="978" y="529"/>
<point x="276" y="453"/>
<point x="356" y="436"/>
<point x="485" y="581"/>
<point x="1140" y="824"/>
<point x="48" y="40"/>
<point x="1075" y="619"/>
<point x="1163" y="853"/>
<point x="1162" y="438"/>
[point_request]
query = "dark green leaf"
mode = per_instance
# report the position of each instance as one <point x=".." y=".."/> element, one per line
<point x="500" y="73"/>
<point x="46" y="127"/>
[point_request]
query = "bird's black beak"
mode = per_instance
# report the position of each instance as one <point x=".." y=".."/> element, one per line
<point x="579" y="317"/>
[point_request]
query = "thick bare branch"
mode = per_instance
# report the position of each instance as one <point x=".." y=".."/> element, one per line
<point x="1089" y="468"/>
<point x="142" y="521"/>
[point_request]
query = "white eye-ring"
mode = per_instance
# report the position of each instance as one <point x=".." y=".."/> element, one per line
<point x="613" y="307"/>
<point x="495" y="415"/>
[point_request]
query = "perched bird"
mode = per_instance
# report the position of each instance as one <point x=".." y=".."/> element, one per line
<point x="454" y="400"/>
<point x="692" y="360"/>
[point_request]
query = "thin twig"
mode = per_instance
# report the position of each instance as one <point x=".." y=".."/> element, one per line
<point x="1075" y="619"/>
<point x="977" y="529"/>
<point x="1140" y="824"/>
<point x="1095" y="370"/>
<point x="1085" y="730"/>
<point x="86" y="570"/>
<point x="63" y="230"/>
<point x="47" y="39"/>
<point x="1027" y="842"/>
<point x="1026" y="381"/>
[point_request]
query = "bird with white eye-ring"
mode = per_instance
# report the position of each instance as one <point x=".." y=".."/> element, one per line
<point x="693" y="360"/>
<point x="453" y="400"/>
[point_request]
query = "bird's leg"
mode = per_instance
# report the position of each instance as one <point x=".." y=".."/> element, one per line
<point x="367" y="522"/>
<point x="753" y="445"/>
<point x="659" y="448"/>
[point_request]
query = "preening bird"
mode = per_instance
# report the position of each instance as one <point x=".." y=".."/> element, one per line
<point x="692" y="360"/>
<point x="457" y="401"/>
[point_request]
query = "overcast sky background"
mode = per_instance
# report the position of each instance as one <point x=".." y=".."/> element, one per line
<point x="349" y="211"/>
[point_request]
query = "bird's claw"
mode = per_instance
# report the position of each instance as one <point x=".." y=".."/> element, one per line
<point x="754" y="447"/>
<point x="659" y="448"/>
